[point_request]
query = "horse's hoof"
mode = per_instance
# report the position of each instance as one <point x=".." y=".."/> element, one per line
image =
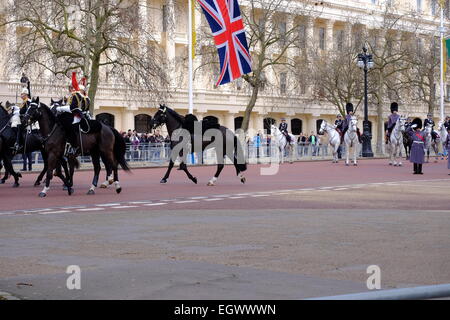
<point x="110" y="182"/>
<point x="16" y="185"/>
<point x="210" y="184"/>
<point x="355" y="164"/>
<point x="118" y="190"/>
<point x="65" y="188"/>
<point x="42" y="195"/>
<point x="163" y="181"/>
<point x="2" y="181"/>
<point x="91" y="192"/>
<point x="243" y="180"/>
<point x="37" y="183"/>
<point x="103" y="186"/>
<point x="19" y="175"/>
<point x="347" y="164"/>
<point x="70" y="191"/>
<point x="194" y="180"/>
<point x="390" y="164"/>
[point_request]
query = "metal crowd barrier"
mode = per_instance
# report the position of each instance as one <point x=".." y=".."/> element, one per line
<point x="159" y="153"/>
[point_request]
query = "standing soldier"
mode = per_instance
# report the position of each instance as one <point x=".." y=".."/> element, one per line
<point x="418" y="147"/>
<point x="447" y="122"/>
<point x="284" y="129"/>
<point x="392" y="120"/>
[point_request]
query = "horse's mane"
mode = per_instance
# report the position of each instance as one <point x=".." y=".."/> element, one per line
<point x="49" y="112"/>
<point x="175" y="114"/>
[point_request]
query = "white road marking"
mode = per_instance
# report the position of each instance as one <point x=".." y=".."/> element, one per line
<point x="198" y="198"/>
<point x="187" y="201"/>
<point x="91" y="209"/>
<point x="259" y="195"/>
<point x="340" y="189"/>
<point x="237" y="197"/>
<point x="54" y="212"/>
<point x="155" y="204"/>
<point x="36" y="211"/>
<point x="124" y="207"/>
<point x="139" y="202"/>
<point x="108" y="205"/>
<point x="213" y="199"/>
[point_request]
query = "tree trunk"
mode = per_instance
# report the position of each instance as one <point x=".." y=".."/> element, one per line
<point x="93" y="86"/>
<point x="248" y="110"/>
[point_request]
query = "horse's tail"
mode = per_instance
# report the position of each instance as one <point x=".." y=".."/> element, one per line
<point x="239" y="155"/>
<point x="120" y="150"/>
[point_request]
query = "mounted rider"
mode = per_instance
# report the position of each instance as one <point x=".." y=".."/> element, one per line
<point x="447" y="122"/>
<point x="349" y="108"/>
<point x="78" y="104"/>
<point x="16" y="111"/>
<point x="429" y="121"/>
<point x="284" y="129"/>
<point x="392" y="120"/>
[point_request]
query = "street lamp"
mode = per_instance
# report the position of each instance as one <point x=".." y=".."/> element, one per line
<point x="365" y="62"/>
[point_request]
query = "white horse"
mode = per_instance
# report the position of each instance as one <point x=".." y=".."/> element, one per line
<point x="351" y="140"/>
<point x="431" y="144"/>
<point x="334" y="138"/>
<point x="281" y="142"/>
<point x="443" y="133"/>
<point x="396" y="142"/>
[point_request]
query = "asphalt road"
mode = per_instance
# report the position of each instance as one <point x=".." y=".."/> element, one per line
<point x="310" y="230"/>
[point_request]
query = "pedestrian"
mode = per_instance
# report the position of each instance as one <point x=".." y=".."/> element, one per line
<point x="418" y="147"/>
<point x="257" y="143"/>
<point x="27" y="158"/>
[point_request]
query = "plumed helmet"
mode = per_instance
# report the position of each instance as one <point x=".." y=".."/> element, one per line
<point x="417" y="121"/>
<point x="394" y="107"/>
<point x="349" y="107"/>
<point x="82" y="88"/>
<point x="25" y="91"/>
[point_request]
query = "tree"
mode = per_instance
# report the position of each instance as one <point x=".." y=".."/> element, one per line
<point x="62" y="36"/>
<point x="337" y="78"/>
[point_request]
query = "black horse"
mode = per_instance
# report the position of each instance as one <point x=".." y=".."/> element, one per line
<point x="174" y="122"/>
<point x="407" y="143"/>
<point x="103" y="141"/>
<point x="32" y="142"/>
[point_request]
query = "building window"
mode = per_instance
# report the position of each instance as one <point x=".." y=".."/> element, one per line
<point x="448" y="92"/>
<point x="142" y="123"/>
<point x="318" y="124"/>
<point x="340" y="40"/>
<point x="106" y="118"/>
<point x="164" y="18"/>
<point x="282" y="31"/>
<point x="296" y="126"/>
<point x="322" y="38"/>
<point x="283" y="82"/>
<point x="302" y="36"/>
<point x="419" y="5"/>
<point x="267" y="123"/>
<point x="433" y="6"/>
<point x="238" y="123"/>
<point x="211" y="119"/>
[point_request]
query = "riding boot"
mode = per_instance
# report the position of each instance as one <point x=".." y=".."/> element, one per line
<point x="359" y="135"/>
<point x="17" y="146"/>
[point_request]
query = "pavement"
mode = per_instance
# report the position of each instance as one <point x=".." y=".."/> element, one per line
<point x="310" y="230"/>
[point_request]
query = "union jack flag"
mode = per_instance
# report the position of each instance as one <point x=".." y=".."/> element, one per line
<point x="224" y="18"/>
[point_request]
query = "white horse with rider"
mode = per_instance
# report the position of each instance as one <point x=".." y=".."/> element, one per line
<point x="396" y="142"/>
<point x="351" y="140"/>
<point x="431" y="144"/>
<point x="443" y="134"/>
<point x="282" y="144"/>
<point x="334" y="138"/>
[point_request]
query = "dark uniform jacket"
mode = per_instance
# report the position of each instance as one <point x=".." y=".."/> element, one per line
<point x="283" y="127"/>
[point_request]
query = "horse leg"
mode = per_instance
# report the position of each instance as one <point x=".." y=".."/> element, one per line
<point x="96" y="163"/>
<point x="52" y="162"/>
<point x="183" y="167"/>
<point x="213" y="181"/>
<point x="347" y="154"/>
<point x="10" y="169"/>
<point x="44" y="170"/>
<point x="169" y="169"/>
<point x="355" y="150"/>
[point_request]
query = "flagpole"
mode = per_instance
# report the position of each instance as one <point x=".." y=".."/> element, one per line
<point x="191" y="93"/>
<point x="442" y="63"/>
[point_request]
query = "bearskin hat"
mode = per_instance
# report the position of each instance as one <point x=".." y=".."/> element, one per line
<point x="394" y="107"/>
<point x="349" y="107"/>
<point x="418" y="121"/>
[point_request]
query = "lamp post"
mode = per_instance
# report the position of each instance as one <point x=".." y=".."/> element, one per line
<point x="365" y="62"/>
